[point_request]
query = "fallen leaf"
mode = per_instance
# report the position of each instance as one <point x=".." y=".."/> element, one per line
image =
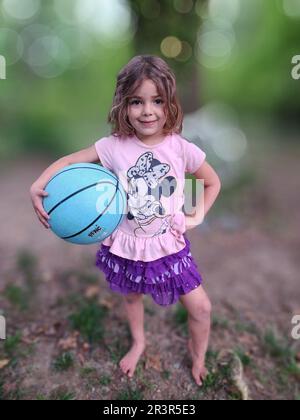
<point x="4" y="363"/>
<point x="39" y="329"/>
<point x="81" y="359"/>
<point x="229" y="358"/>
<point x="68" y="343"/>
<point x="27" y="340"/>
<point x="46" y="276"/>
<point x="154" y="362"/>
<point x="50" y="332"/>
<point x="106" y="303"/>
<point x="86" y="346"/>
<point x="7" y="388"/>
<point x="92" y="291"/>
<point x="258" y="385"/>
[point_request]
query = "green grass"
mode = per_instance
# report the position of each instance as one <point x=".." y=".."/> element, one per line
<point x="14" y="395"/>
<point x="117" y="350"/>
<point x="2" y="394"/>
<point x="63" y="362"/>
<point x="130" y="394"/>
<point x="149" y="311"/>
<point x="211" y="356"/>
<point x="246" y="327"/>
<point x="244" y="357"/>
<point x="11" y="344"/>
<point x="276" y="347"/>
<point x="166" y="374"/>
<point x="105" y="380"/>
<point x="88" y="278"/>
<point x="87" y="371"/>
<point x="180" y="315"/>
<point x="88" y="320"/>
<point x="21" y="297"/>
<point x="17" y="296"/>
<point x="41" y="397"/>
<point x="219" y="322"/>
<point x="94" y="379"/>
<point x="27" y="264"/>
<point x="211" y="381"/>
<point x="218" y="379"/>
<point x="62" y="394"/>
<point x="279" y="349"/>
<point x="293" y="368"/>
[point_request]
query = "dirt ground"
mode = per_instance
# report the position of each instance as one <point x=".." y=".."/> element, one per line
<point x="67" y="331"/>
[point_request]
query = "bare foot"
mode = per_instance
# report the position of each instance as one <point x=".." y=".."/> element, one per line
<point x="199" y="370"/>
<point x="129" y="361"/>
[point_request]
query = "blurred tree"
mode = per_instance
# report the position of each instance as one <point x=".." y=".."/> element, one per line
<point x="257" y="77"/>
<point x="157" y="20"/>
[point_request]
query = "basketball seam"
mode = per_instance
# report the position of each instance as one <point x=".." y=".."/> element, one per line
<point x="97" y="218"/>
<point x="74" y="193"/>
<point x="81" y="167"/>
<point x="78" y="233"/>
<point x="82" y="189"/>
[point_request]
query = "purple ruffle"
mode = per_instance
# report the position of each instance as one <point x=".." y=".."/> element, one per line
<point x="165" y="279"/>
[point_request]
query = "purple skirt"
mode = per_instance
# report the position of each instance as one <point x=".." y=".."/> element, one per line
<point x="165" y="279"/>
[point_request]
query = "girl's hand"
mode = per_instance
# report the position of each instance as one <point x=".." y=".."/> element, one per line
<point x="191" y="222"/>
<point x="36" y="194"/>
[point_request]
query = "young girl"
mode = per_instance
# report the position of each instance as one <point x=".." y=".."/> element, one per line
<point x="149" y="252"/>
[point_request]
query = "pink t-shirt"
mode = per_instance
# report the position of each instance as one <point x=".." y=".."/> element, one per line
<point x="153" y="177"/>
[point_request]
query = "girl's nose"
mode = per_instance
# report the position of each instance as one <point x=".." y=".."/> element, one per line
<point x="147" y="110"/>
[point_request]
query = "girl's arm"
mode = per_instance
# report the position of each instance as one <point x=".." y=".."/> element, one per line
<point x="212" y="187"/>
<point x="88" y="155"/>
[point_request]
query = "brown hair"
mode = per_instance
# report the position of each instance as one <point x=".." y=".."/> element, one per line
<point x="130" y="78"/>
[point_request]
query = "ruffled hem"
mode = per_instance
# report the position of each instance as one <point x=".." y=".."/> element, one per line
<point x="165" y="279"/>
<point x="148" y="249"/>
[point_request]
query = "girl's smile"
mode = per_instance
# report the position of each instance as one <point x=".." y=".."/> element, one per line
<point x="146" y="111"/>
<point x="148" y="123"/>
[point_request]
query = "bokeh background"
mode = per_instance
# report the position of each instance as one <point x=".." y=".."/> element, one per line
<point x="238" y="78"/>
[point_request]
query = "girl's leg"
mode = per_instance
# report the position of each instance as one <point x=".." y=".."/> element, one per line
<point x="198" y="306"/>
<point x="134" y="308"/>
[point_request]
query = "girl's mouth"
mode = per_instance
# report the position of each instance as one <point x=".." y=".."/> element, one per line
<point x="148" y="123"/>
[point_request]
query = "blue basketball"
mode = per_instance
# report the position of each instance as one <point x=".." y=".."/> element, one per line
<point x="86" y="203"/>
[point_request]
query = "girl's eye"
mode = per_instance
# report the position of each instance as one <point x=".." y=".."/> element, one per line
<point x="136" y="101"/>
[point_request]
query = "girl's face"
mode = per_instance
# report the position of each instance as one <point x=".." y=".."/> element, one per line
<point x="146" y="111"/>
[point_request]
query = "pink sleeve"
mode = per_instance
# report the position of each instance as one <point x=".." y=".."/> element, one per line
<point x="104" y="148"/>
<point x="194" y="157"/>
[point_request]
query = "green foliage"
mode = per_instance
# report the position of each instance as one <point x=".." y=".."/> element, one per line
<point x="88" y="320"/>
<point x="17" y="296"/>
<point x="11" y="344"/>
<point x="130" y="394"/>
<point x="63" y="362"/>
